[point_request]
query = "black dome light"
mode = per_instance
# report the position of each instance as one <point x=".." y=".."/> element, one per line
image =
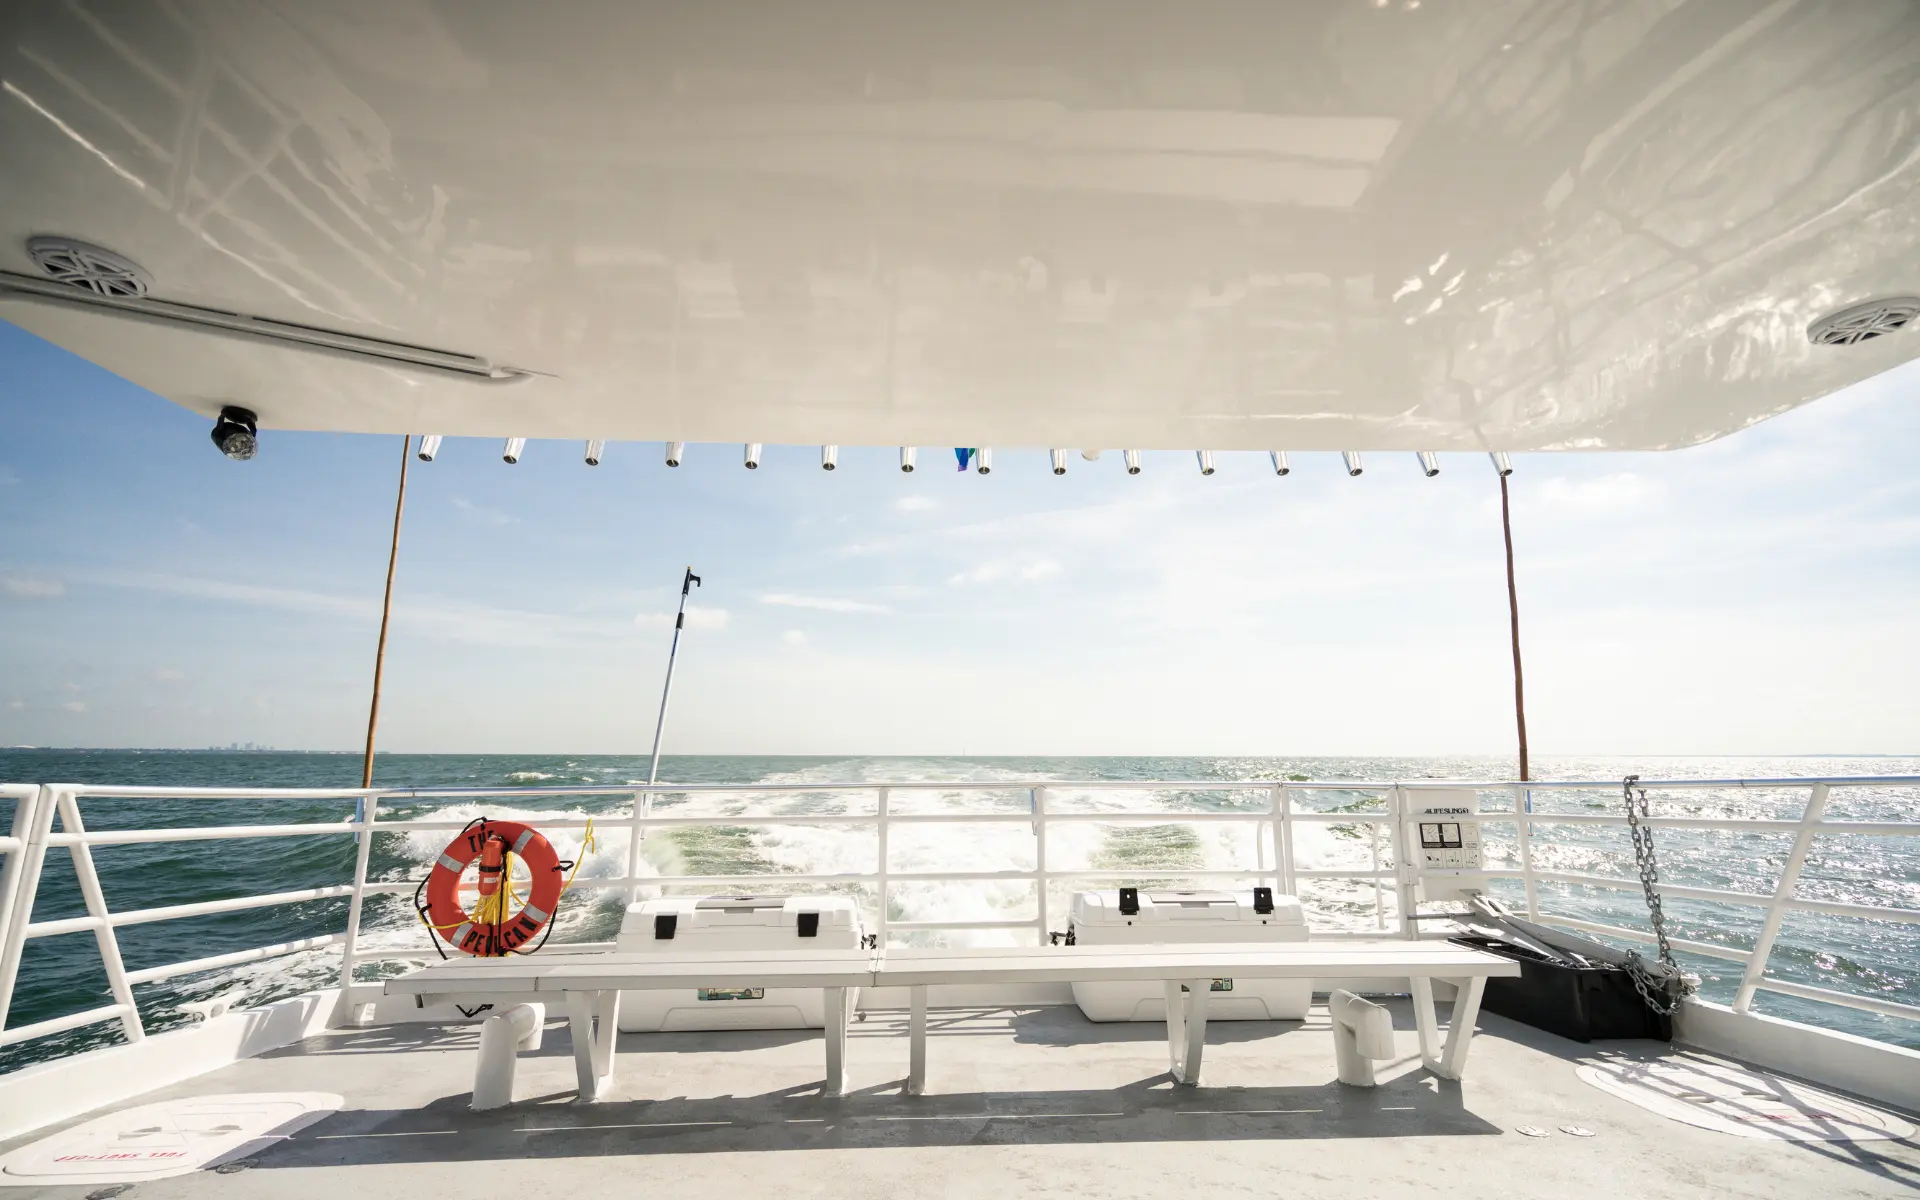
<point x="237" y="432"/>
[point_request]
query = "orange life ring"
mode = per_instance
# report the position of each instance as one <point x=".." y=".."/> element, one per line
<point x="491" y="842"/>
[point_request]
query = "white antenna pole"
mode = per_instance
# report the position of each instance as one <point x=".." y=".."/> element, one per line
<point x="680" y="619"/>
<point x="687" y="584"/>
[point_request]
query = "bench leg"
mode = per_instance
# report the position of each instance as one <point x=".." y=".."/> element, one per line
<point x="917" y="1039"/>
<point x="1466" y="1010"/>
<point x="1176" y="1027"/>
<point x="1362" y="1033"/>
<point x="1426" y="1021"/>
<point x="606" y="1044"/>
<point x="502" y="1037"/>
<point x="1187" y="1028"/>
<point x="593" y="1049"/>
<point x="836" y="1032"/>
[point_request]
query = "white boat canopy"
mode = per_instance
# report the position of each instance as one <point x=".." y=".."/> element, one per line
<point x="1320" y="224"/>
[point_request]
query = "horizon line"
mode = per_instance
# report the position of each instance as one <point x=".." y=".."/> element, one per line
<point x="941" y="754"/>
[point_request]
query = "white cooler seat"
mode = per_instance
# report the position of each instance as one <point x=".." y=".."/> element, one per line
<point x="1172" y="918"/>
<point x="689" y="925"/>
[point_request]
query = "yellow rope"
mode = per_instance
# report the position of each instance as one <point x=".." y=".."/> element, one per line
<point x="588" y="844"/>
<point x="492" y="910"/>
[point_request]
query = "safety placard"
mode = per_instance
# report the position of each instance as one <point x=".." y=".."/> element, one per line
<point x="1447" y="839"/>
<point x="154" y="1141"/>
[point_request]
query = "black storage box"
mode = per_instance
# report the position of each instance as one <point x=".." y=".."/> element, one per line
<point x="1582" y="1003"/>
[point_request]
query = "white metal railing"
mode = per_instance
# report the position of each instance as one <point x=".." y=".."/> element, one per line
<point x="26" y="810"/>
<point x="36" y="808"/>
<point x="1783" y="899"/>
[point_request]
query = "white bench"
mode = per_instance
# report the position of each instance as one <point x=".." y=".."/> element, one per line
<point x="1188" y="972"/>
<point x="591" y="987"/>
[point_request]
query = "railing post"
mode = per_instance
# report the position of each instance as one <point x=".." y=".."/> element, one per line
<point x="1041" y="879"/>
<point x="1782" y="892"/>
<point x="1379" y="907"/>
<point x="1281" y="831"/>
<point x="23" y="811"/>
<point x="367" y="809"/>
<point x="20" y="881"/>
<point x="1260" y="870"/>
<point x="1523" y="838"/>
<point x="636" y="835"/>
<point x="880" y="925"/>
<point x="96" y="899"/>
<point x="1406" y="870"/>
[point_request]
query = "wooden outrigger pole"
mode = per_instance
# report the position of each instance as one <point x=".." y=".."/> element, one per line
<point x="386" y="613"/>
<point x="1503" y="469"/>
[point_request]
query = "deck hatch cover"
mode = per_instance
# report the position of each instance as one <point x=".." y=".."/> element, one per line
<point x="154" y="1141"/>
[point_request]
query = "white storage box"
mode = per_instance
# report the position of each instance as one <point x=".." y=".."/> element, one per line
<point x="739" y="925"/>
<point x="1172" y="918"/>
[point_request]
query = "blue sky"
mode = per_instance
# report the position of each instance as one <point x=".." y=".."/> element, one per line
<point x="1755" y="595"/>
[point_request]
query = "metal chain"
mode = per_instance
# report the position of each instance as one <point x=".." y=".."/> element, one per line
<point x="1654" y="989"/>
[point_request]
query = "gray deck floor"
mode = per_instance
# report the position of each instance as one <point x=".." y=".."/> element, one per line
<point x="1035" y="1102"/>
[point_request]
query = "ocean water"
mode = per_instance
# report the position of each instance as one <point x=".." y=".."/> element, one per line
<point x="63" y="974"/>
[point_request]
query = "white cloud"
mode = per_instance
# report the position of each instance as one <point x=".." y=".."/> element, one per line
<point x="439" y="618"/>
<point x="991" y="572"/>
<point x="245" y="593"/>
<point x="837" y="604"/>
<point x="1120" y="519"/>
<point x="491" y="516"/>
<point x="794" y="637"/>
<point x="168" y="675"/>
<point x="706" y="618"/>
<point x="984" y="573"/>
<point x="915" y="504"/>
<point x="33" y="589"/>
<point x="75" y="706"/>
<point x="697" y="618"/>
<point x="71" y="687"/>
<point x="16" y="705"/>
<point x="1606" y="493"/>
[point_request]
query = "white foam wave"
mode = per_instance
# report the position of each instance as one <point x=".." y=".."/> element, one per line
<point x="390" y="923"/>
<point x="988" y="847"/>
<point x="396" y="927"/>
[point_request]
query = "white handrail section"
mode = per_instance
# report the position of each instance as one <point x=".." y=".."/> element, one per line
<point x="36" y="807"/>
<point x="26" y="798"/>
